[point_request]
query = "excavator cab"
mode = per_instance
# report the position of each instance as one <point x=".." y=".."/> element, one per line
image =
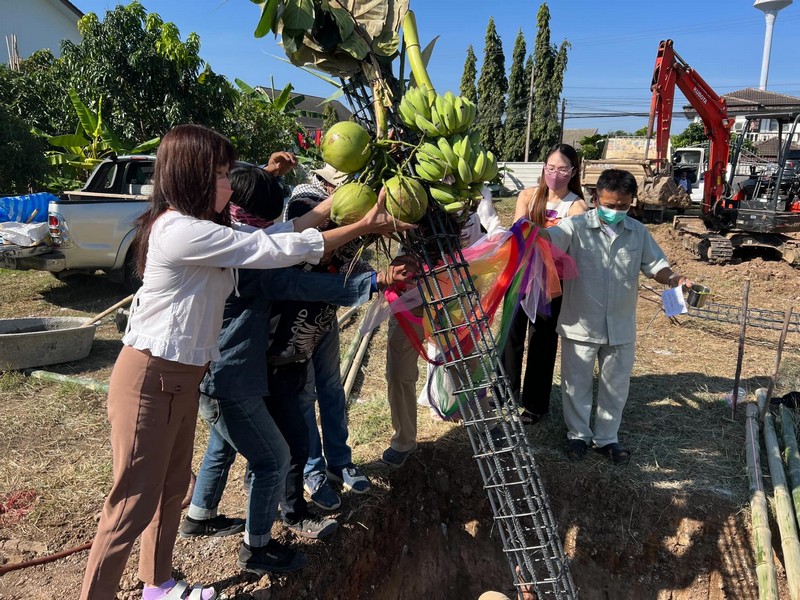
<point x="762" y="194"/>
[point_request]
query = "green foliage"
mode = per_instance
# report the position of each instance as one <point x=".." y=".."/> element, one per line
<point x="591" y="146"/>
<point x="93" y="141"/>
<point x="257" y="130"/>
<point x="517" y="110"/>
<point x="468" y="89"/>
<point x="551" y="63"/>
<point x="693" y="135"/>
<point x="148" y="78"/>
<point x="22" y="163"/>
<point x="492" y="88"/>
<point x="329" y="117"/>
<point x="642" y="131"/>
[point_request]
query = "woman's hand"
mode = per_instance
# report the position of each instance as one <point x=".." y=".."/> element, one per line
<point x="378" y="220"/>
<point x="280" y="163"/>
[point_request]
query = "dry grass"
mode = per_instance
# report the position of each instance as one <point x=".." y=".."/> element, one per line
<point x="54" y="437"/>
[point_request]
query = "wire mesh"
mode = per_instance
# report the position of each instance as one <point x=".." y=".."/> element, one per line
<point x="500" y="446"/>
<point x="756" y="317"/>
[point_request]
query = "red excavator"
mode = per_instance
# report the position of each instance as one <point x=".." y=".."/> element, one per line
<point x="757" y="209"/>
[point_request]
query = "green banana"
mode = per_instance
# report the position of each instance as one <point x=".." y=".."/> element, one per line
<point x="447" y="152"/>
<point x="407" y="113"/>
<point x="453" y="207"/>
<point x="427" y="172"/>
<point x="478" y="166"/>
<point x="443" y="193"/>
<point x="432" y="151"/>
<point x="419" y="102"/>
<point x="425" y="126"/>
<point x="490" y="171"/>
<point x="464" y="171"/>
<point x="458" y="112"/>
<point x="437" y="120"/>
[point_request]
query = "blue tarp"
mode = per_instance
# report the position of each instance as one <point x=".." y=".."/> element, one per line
<point x="20" y="208"/>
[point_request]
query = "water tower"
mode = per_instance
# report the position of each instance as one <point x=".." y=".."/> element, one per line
<point x="770" y="8"/>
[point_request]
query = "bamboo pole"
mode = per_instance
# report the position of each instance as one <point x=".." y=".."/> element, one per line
<point x="87" y="383"/>
<point x="784" y="510"/>
<point x="792" y="455"/>
<point x="762" y="536"/>
<point x="354" y="368"/>
<point x="347" y="314"/>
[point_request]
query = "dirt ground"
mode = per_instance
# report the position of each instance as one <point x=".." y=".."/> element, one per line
<point x="674" y="523"/>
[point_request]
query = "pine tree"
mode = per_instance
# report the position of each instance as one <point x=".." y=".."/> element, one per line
<point x="517" y="108"/>
<point x="329" y="117"/>
<point x="550" y="64"/>
<point x="492" y="88"/>
<point x="468" y="78"/>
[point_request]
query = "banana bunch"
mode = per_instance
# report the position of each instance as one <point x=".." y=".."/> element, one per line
<point x="435" y="115"/>
<point x="455" y="198"/>
<point x="473" y="164"/>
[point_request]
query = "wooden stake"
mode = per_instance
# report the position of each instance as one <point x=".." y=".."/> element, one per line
<point x="787" y="319"/>
<point x="740" y="355"/>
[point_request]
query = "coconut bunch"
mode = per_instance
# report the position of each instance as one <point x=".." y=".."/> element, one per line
<point x="348" y="147"/>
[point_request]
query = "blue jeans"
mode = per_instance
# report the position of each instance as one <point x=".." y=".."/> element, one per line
<point x="324" y="384"/>
<point x="242" y="424"/>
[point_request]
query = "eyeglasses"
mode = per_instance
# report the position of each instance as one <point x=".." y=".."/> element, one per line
<point x="551" y="170"/>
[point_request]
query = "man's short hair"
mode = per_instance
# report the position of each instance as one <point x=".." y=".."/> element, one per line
<point x="617" y="180"/>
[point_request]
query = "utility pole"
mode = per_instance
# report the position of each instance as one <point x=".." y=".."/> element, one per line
<point x="561" y="127"/>
<point x="530" y="113"/>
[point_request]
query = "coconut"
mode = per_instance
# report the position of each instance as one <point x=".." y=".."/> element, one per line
<point x="406" y="199"/>
<point x="346" y="147"/>
<point x="351" y="202"/>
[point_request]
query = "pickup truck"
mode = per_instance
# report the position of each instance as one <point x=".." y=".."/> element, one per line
<point x="91" y="229"/>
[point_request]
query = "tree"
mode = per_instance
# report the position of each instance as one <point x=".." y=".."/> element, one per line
<point x="468" y="78"/>
<point x="149" y="79"/>
<point x="551" y="62"/>
<point x="517" y="109"/>
<point x="329" y="117"/>
<point x="591" y="146"/>
<point x="257" y="130"/>
<point x="22" y="162"/>
<point x="694" y="134"/>
<point x="492" y="88"/>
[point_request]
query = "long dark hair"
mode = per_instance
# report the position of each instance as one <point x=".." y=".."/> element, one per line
<point x="539" y="208"/>
<point x="185" y="180"/>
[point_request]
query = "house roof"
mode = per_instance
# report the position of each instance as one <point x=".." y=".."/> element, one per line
<point x="317" y="104"/>
<point x="750" y="101"/>
<point x="72" y="7"/>
<point x="769" y="147"/>
<point x="573" y="136"/>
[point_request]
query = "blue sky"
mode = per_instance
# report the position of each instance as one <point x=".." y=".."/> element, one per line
<point x="614" y="44"/>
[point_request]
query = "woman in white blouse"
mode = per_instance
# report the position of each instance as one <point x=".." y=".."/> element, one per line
<point x="188" y="254"/>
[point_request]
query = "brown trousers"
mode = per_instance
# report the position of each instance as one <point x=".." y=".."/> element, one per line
<point x="402" y="373"/>
<point x="152" y="408"/>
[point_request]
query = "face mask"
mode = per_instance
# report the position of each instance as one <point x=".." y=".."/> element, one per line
<point x="555" y="181"/>
<point x="609" y="215"/>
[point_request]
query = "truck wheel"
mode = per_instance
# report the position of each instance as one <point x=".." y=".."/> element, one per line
<point x="130" y="280"/>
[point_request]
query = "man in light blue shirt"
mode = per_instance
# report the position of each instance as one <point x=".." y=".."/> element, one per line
<point x="598" y="314"/>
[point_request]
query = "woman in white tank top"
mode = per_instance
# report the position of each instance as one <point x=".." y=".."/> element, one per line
<point x="558" y="196"/>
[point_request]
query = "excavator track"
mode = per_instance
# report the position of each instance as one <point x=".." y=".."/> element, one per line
<point x="704" y="244"/>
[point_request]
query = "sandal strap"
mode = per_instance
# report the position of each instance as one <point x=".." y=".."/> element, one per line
<point x="178" y="592"/>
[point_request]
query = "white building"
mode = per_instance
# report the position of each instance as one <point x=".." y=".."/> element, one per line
<point x="36" y="24"/>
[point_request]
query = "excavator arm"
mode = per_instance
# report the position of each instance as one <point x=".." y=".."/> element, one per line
<point x="671" y="71"/>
